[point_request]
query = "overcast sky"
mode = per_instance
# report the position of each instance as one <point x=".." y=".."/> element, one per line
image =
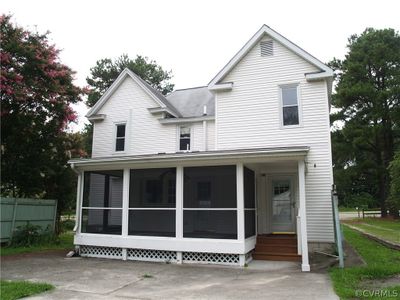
<point x="194" y="39"/>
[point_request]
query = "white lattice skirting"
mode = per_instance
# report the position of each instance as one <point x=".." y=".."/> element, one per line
<point x="160" y="255"/>
<point x="210" y="258"/>
<point x="152" y="255"/>
<point x="101" y="252"/>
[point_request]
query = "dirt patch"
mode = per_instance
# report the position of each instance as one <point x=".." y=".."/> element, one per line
<point x="45" y="253"/>
<point x="352" y="258"/>
<point x="381" y="283"/>
<point x="320" y="263"/>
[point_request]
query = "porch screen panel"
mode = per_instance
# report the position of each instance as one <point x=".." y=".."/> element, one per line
<point x="249" y="202"/>
<point x="152" y="202"/>
<point x="209" y="202"/>
<point x="102" y="202"/>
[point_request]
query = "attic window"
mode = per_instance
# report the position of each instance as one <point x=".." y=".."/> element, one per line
<point x="266" y="48"/>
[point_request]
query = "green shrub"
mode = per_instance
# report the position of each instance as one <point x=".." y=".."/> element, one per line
<point x="361" y="200"/>
<point x="393" y="201"/>
<point x="67" y="225"/>
<point x="30" y="235"/>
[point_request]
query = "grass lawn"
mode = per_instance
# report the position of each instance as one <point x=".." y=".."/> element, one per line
<point x="10" y="290"/>
<point x="382" y="263"/>
<point x="386" y="229"/>
<point x="65" y="241"/>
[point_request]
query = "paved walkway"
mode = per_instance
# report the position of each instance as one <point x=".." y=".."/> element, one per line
<point x="114" y="279"/>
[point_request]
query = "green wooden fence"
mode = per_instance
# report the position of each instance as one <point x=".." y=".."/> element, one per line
<point x="19" y="211"/>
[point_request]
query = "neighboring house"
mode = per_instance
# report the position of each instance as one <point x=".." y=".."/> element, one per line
<point x="209" y="174"/>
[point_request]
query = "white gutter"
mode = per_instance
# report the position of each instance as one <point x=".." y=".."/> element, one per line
<point x="96" y="118"/>
<point x="186" y="120"/>
<point x="318" y="76"/>
<point x="221" y="87"/>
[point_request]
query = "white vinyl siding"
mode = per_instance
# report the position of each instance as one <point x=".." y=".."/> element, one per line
<point x="210" y="135"/>
<point x="249" y="117"/>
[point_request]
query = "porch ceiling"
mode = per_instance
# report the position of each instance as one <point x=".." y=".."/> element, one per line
<point x="256" y="155"/>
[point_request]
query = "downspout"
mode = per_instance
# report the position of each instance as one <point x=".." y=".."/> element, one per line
<point x="205" y="146"/>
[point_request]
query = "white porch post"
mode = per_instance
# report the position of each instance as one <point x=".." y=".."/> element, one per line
<point x="78" y="203"/>
<point x="125" y="207"/>
<point x="240" y="209"/>
<point x="305" y="266"/>
<point x="179" y="208"/>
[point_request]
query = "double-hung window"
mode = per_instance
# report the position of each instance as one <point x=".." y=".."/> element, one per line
<point x="120" y="137"/>
<point x="184" y="138"/>
<point x="290" y="105"/>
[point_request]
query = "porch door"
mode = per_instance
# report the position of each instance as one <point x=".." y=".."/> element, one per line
<point x="283" y="206"/>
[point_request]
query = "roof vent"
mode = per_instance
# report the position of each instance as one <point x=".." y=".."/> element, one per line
<point x="266" y="48"/>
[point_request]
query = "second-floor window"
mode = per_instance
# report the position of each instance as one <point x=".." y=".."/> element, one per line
<point x="184" y="138"/>
<point x="290" y="105"/>
<point x="120" y="137"/>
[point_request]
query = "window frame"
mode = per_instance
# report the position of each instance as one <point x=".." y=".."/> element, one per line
<point x="281" y="106"/>
<point x="116" y="124"/>
<point x="178" y="143"/>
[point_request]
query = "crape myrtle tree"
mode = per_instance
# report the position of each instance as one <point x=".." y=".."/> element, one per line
<point x="37" y="92"/>
<point x="106" y="70"/>
<point x="368" y="101"/>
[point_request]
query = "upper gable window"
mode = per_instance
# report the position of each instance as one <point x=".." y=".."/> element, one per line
<point x="290" y="105"/>
<point x="184" y="138"/>
<point x="267" y="48"/>
<point x="120" y="137"/>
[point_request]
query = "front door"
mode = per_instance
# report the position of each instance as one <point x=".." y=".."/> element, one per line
<point x="283" y="206"/>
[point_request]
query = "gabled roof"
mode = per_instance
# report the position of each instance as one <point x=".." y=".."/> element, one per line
<point x="325" y="71"/>
<point x="190" y="102"/>
<point x="153" y="93"/>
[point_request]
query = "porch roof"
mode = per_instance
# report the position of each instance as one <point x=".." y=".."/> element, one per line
<point x="216" y="156"/>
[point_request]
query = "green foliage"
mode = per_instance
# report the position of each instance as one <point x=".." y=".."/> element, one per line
<point x="67" y="225"/>
<point x="394" y="198"/>
<point x="361" y="200"/>
<point x="368" y="102"/>
<point x="32" y="235"/>
<point x="11" y="290"/>
<point x="37" y="92"/>
<point x="106" y="70"/>
<point x="382" y="263"/>
<point x="63" y="242"/>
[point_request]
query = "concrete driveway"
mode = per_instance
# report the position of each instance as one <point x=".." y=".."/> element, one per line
<point x="85" y="278"/>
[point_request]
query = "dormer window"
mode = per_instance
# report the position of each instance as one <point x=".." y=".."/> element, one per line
<point x="184" y="138"/>
<point x="120" y="137"/>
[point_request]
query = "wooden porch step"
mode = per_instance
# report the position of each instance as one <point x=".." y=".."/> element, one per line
<point x="276" y="256"/>
<point x="276" y="248"/>
<point x="277" y="240"/>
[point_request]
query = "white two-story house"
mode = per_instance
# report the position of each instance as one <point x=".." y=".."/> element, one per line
<point x="235" y="170"/>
